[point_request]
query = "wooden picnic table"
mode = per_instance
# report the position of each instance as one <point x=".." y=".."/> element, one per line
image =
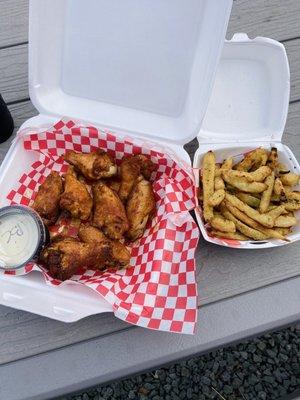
<point x="241" y="293"/>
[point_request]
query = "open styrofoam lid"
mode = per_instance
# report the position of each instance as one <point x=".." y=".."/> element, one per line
<point x="250" y="97"/>
<point x="140" y="65"/>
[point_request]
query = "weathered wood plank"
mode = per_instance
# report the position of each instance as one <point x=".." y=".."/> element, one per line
<point x="14" y="73"/>
<point x="272" y="18"/>
<point x="13" y="22"/>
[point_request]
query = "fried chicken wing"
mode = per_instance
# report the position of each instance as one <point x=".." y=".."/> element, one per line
<point x="109" y="212"/>
<point x="76" y="198"/>
<point x="93" y="166"/>
<point x="47" y="199"/>
<point x="140" y="205"/>
<point x="120" y="255"/>
<point x="130" y="169"/>
<point x="64" y="258"/>
<point x="113" y="183"/>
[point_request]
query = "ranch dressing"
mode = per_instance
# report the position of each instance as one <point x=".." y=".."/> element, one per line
<point x="22" y="235"/>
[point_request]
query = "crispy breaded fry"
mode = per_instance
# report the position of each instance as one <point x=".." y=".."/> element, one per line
<point x="292" y="205"/>
<point x="249" y="199"/>
<point x="285" y="221"/>
<point x="208" y="178"/>
<point x="221" y="224"/>
<point x="217" y="198"/>
<point x="293" y="196"/>
<point x="253" y="224"/>
<point x="256" y="156"/>
<point x="258" y="175"/>
<point x="243" y="228"/>
<point x="266" y="195"/>
<point x="243" y="184"/>
<point x="219" y="183"/>
<point x="273" y="158"/>
<point x="278" y="188"/>
<point x="229" y="235"/>
<point x="276" y="212"/>
<point x="263" y="219"/>
<point x="289" y="179"/>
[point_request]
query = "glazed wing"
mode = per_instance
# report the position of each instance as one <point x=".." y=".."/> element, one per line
<point x="109" y="212"/>
<point x="120" y="255"/>
<point x="76" y="198"/>
<point x="140" y="205"/>
<point x="47" y="199"/>
<point x="93" y="166"/>
<point x="130" y="169"/>
<point x="64" y="258"/>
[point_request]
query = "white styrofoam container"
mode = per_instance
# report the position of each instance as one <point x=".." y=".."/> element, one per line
<point x="247" y="109"/>
<point x="140" y="68"/>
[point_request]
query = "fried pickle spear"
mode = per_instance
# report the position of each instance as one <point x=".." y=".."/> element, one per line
<point x="109" y="212"/>
<point x="120" y="255"/>
<point x="257" y="157"/>
<point x="243" y="184"/>
<point x="63" y="258"/>
<point x="47" y="199"/>
<point x="94" y="166"/>
<point x="228" y="235"/>
<point x="76" y="198"/>
<point x="266" y="195"/>
<point x="140" y="206"/>
<point x="208" y="179"/>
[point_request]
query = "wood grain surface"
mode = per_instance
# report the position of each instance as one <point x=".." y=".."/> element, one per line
<point x="221" y="272"/>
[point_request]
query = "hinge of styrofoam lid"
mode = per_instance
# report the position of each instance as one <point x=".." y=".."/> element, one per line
<point x="250" y="98"/>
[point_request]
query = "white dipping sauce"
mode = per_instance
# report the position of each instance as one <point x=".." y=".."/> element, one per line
<point x="19" y="239"/>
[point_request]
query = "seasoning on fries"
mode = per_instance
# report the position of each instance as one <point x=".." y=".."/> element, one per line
<point x="253" y="199"/>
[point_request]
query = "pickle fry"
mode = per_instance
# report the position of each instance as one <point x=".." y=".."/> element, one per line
<point x="263" y="219"/>
<point x="285" y="221"/>
<point x="289" y="179"/>
<point x="266" y="196"/>
<point x="278" y="188"/>
<point x="219" y="183"/>
<point x="292" y="205"/>
<point x="249" y="199"/>
<point x="294" y="196"/>
<point x="229" y="235"/>
<point x="243" y="228"/>
<point x="208" y="179"/>
<point x="222" y="224"/>
<point x="217" y="198"/>
<point x="243" y="185"/>
<point x="253" y="224"/>
<point x="272" y="161"/>
<point x="258" y="175"/>
<point x="276" y="212"/>
<point x="254" y="157"/>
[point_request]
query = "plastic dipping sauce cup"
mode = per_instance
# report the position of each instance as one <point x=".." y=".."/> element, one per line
<point x="22" y="236"/>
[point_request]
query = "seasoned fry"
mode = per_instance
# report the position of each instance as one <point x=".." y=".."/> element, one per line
<point x="285" y="221"/>
<point x="258" y="175"/>
<point x="253" y="224"/>
<point x="221" y="224"/>
<point x="292" y="206"/>
<point x="208" y="180"/>
<point x="266" y="196"/>
<point x="219" y="183"/>
<point x="263" y="219"/>
<point x="273" y="158"/>
<point x="249" y="199"/>
<point x="229" y="235"/>
<point x="294" y="196"/>
<point x="243" y="184"/>
<point x="217" y="198"/>
<point x="278" y="187"/>
<point x="275" y="212"/>
<point x="283" y="231"/>
<point x="256" y="156"/>
<point x="243" y="228"/>
<point x="289" y="179"/>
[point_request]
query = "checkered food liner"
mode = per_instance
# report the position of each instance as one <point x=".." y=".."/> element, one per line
<point x="158" y="290"/>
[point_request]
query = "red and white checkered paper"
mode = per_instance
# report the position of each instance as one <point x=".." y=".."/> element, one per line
<point x="158" y="290"/>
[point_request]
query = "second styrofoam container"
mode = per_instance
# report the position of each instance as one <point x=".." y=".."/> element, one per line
<point x="248" y="109"/>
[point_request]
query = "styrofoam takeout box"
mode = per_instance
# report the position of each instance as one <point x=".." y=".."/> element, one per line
<point x="143" y="69"/>
<point x="248" y="109"/>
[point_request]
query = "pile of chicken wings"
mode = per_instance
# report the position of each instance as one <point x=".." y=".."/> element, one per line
<point x="111" y="205"/>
